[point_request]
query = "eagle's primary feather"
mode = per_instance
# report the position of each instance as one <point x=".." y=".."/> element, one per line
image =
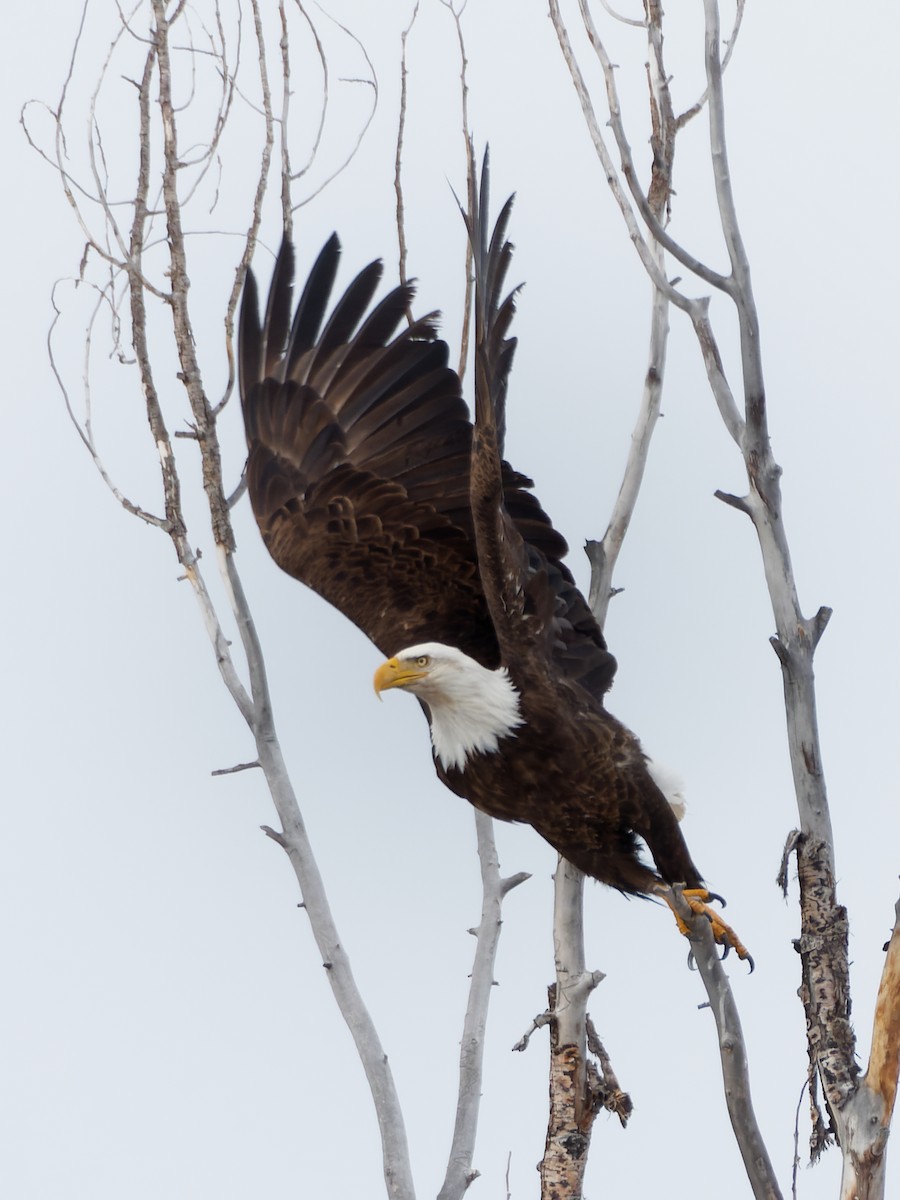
<point x="371" y="485"/>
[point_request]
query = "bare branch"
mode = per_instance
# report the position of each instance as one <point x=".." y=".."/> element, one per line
<point x="471" y="182"/>
<point x="790" y="845"/>
<point x="398" y="157"/>
<point x="614" y="1100"/>
<point x="287" y="175"/>
<point x="84" y="431"/>
<point x="255" y="221"/>
<point x="698" y="311"/>
<point x="609" y="170"/>
<point x="733" y="1053"/>
<point x="652" y="211"/>
<point x="738" y="502"/>
<point x="823" y="944"/>
<point x="605" y="556"/>
<point x="171" y="482"/>
<point x="190" y="370"/>
<point x="238" y="491"/>
<point x="539" y="1022"/>
<point x="513" y="881"/>
<point x="639" y="22"/>
<point x="722" y="282"/>
<point x="248" y="766"/>
<point x="731" y="42"/>
<point x="764" y="501"/>
<point x="372" y="83"/>
<point x="471" y="1056"/>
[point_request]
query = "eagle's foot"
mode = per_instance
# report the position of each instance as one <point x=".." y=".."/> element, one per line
<point x="698" y="900"/>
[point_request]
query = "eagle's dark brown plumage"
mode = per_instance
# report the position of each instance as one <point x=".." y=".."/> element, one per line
<point x="371" y="485"/>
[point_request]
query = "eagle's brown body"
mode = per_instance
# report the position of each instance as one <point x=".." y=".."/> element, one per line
<point x="591" y="818"/>
<point x="370" y="484"/>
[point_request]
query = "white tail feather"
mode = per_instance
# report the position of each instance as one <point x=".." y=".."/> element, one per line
<point x="670" y="784"/>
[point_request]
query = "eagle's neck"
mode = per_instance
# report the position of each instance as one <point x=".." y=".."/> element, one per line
<point x="471" y="712"/>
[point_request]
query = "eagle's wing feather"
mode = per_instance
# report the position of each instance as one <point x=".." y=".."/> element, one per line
<point x="535" y="607"/>
<point x="359" y="470"/>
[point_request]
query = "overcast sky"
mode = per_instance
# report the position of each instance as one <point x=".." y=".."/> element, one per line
<point x="167" y="1030"/>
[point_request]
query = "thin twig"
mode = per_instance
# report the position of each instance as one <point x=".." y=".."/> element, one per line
<point x="372" y="84"/>
<point x="398" y="156"/>
<point x="638" y="22"/>
<point x="247" y="766"/>
<point x="255" y="219"/>
<point x="471" y="183"/>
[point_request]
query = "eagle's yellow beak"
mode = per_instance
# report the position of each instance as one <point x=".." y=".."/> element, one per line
<point x="393" y="673"/>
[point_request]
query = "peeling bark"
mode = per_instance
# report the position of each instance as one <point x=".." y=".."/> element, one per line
<point x="575" y="1101"/>
<point x="866" y="1117"/>
<point x="825" y="986"/>
<point x="577" y="1089"/>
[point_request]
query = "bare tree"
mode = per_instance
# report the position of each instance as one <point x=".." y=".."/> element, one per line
<point x="195" y="94"/>
<point x="859" y="1109"/>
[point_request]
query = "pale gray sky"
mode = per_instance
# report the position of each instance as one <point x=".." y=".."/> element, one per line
<point x="167" y="1028"/>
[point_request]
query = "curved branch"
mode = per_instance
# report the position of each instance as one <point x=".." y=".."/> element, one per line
<point x="638" y="22"/>
<point x="288" y="177"/>
<point x="373" y="84"/>
<point x="84" y="431"/>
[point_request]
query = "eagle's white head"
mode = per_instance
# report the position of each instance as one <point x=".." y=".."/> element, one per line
<point x="471" y="707"/>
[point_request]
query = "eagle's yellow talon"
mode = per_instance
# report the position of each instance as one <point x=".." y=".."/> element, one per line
<point x="698" y="899"/>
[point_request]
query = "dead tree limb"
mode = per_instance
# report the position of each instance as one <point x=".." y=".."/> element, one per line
<point x="823" y="942"/>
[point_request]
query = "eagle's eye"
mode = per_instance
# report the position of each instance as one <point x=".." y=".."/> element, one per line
<point x="422" y="660"/>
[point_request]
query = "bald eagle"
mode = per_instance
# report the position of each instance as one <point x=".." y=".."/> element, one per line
<point x="371" y="484"/>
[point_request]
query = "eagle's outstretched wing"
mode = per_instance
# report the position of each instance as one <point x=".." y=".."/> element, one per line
<point x="359" y="472"/>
